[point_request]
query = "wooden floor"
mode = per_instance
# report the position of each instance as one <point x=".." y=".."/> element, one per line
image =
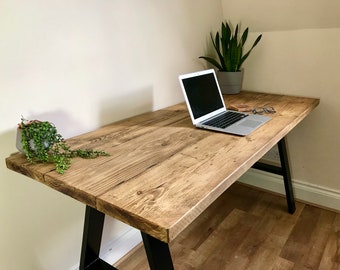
<point x="250" y="229"/>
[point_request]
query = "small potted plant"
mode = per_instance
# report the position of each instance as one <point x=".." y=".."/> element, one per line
<point x="229" y="47"/>
<point x="41" y="142"/>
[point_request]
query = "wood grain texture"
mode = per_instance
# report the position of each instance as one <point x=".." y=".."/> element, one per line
<point x="162" y="172"/>
<point x="250" y="229"/>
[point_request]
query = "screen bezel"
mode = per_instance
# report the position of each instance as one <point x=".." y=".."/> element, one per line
<point x="198" y="119"/>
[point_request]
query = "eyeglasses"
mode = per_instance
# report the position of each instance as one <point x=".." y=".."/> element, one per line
<point x="261" y="110"/>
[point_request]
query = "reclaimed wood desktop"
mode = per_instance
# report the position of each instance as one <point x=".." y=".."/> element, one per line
<point x="163" y="173"/>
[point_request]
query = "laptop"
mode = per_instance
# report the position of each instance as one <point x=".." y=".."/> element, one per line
<point x="207" y="109"/>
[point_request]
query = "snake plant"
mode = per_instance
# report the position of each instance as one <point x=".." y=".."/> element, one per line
<point x="229" y="48"/>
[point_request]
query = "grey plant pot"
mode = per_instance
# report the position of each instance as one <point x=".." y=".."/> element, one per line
<point x="230" y="82"/>
<point x="19" y="143"/>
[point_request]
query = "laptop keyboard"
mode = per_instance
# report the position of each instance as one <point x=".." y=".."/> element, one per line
<point x="226" y="119"/>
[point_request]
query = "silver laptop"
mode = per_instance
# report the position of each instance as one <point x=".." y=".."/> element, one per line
<point x="207" y="109"/>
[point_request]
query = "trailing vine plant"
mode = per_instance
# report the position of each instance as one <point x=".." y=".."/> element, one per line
<point x="41" y="142"/>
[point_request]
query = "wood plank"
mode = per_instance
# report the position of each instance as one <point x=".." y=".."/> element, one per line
<point x="126" y="162"/>
<point x="241" y="152"/>
<point x="306" y="244"/>
<point x="282" y="264"/>
<point x="162" y="172"/>
<point x="331" y="254"/>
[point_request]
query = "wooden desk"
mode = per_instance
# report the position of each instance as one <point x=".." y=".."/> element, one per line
<point x="163" y="172"/>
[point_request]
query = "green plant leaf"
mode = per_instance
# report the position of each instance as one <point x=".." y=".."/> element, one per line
<point x="229" y="48"/>
<point x="244" y="37"/>
<point x="252" y="47"/>
<point x="217" y="42"/>
<point x="225" y="38"/>
<point x="217" y="49"/>
<point x="236" y="33"/>
<point x="235" y="54"/>
<point x="212" y="61"/>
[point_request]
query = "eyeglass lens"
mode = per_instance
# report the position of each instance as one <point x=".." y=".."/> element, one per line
<point x="260" y="110"/>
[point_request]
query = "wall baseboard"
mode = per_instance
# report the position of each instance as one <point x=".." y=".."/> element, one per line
<point x="118" y="247"/>
<point x="309" y="193"/>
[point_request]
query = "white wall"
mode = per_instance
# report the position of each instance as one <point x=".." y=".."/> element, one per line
<point x="82" y="64"/>
<point x="299" y="55"/>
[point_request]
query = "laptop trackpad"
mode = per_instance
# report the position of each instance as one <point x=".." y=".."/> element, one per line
<point x="250" y="123"/>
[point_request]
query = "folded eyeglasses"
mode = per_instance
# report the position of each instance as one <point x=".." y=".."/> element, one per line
<point x="262" y="110"/>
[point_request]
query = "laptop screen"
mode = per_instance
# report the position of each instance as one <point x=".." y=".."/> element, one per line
<point x="203" y="94"/>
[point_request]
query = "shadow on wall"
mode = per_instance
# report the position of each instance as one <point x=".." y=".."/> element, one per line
<point x="50" y="218"/>
<point x="66" y="125"/>
<point x="7" y="142"/>
<point x="35" y="218"/>
<point x="127" y="105"/>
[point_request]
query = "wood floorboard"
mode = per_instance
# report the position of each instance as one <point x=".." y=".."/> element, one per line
<point x="247" y="228"/>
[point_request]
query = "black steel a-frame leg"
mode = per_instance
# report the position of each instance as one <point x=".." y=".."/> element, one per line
<point x="283" y="170"/>
<point x="158" y="253"/>
<point x="92" y="236"/>
<point x="286" y="175"/>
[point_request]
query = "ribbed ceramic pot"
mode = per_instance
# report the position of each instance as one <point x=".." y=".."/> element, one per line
<point x="230" y="82"/>
<point x="19" y="142"/>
